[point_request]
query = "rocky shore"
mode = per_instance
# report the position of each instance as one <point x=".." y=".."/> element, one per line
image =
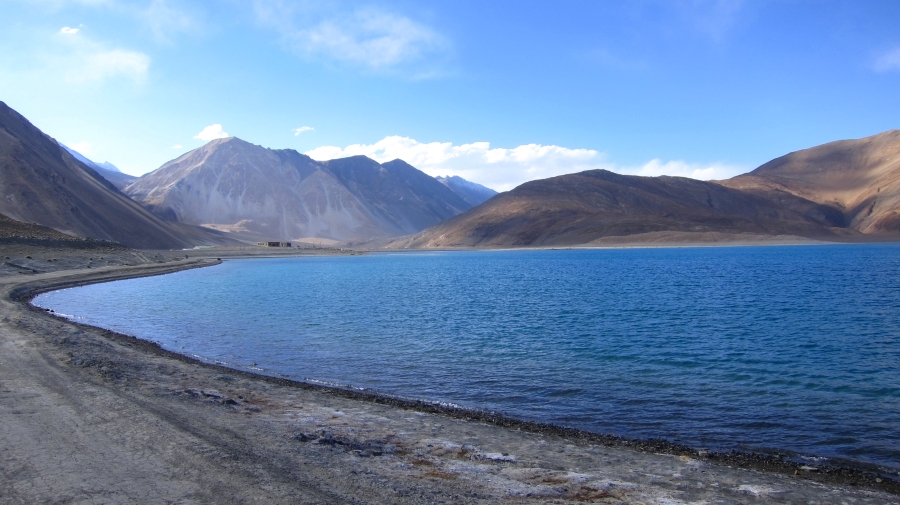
<point x="91" y="416"/>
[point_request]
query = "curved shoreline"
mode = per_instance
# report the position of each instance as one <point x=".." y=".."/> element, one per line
<point x="852" y="474"/>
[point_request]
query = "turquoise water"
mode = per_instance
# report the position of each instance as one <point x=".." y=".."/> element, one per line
<point x="755" y="348"/>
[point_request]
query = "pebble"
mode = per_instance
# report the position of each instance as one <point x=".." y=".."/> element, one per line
<point x="303" y="437"/>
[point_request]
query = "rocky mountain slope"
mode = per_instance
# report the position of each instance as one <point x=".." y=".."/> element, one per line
<point x="249" y="190"/>
<point x="579" y="208"/>
<point x="12" y="230"/>
<point x="40" y="182"/>
<point x="260" y="193"/>
<point x="860" y="179"/>
<point x="473" y="193"/>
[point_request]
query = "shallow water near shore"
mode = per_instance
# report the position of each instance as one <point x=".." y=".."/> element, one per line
<point x="755" y="348"/>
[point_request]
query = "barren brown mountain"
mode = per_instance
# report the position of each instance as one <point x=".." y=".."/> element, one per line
<point x="40" y="182"/>
<point x="579" y="208"/>
<point x="859" y="178"/>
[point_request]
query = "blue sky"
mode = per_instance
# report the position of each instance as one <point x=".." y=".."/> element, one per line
<point x="497" y="92"/>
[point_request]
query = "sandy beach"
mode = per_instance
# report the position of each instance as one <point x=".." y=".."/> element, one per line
<point x="90" y="416"/>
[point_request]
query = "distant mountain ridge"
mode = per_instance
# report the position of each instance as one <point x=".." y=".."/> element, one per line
<point x="255" y="193"/>
<point x="106" y="169"/>
<point x="840" y="189"/>
<point x="40" y="182"/>
<point x="93" y="164"/>
<point x="473" y="193"/>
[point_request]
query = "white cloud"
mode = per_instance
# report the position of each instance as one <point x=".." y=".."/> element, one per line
<point x="84" y="148"/>
<point x="176" y="146"/>
<point x="888" y="61"/>
<point x="369" y="38"/>
<point x="211" y="132"/>
<point x="503" y="169"/>
<point x="302" y="129"/>
<point x="66" y="30"/>
<point x="679" y="168"/>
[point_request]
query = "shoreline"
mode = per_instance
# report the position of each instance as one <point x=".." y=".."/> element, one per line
<point x="658" y="240"/>
<point x="776" y="460"/>
<point x="22" y="292"/>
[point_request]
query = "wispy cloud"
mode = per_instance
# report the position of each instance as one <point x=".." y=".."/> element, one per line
<point x="212" y="132"/>
<point x="888" y="61"/>
<point x="505" y="168"/>
<point x="166" y="18"/>
<point x="84" y="60"/>
<point x="100" y="65"/>
<point x="369" y="38"/>
<point x="303" y="129"/>
<point x="177" y="146"/>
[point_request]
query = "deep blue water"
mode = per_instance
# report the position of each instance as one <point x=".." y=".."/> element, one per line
<point x="794" y="348"/>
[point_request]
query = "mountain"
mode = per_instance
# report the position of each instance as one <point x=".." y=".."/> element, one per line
<point x="40" y="182"/>
<point x="110" y="167"/>
<point x="82" y="158"/>
<point x="399" y="192"/>
<point x="860" y="179"/>
<point x="106" y="169"/>
<point x="280" y="194"/>
<point x="118" y="179"/>
<point x="474" y="194"/>
<point x="580" y="208"/>
<point x="232" y="185"/>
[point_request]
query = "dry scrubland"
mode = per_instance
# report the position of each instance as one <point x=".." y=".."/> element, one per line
<point x="89" y="416"/>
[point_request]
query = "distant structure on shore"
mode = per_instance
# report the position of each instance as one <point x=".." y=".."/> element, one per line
<point x="274" y="244"/>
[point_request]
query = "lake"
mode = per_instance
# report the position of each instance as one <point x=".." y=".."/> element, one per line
<point x="791" y="348"/>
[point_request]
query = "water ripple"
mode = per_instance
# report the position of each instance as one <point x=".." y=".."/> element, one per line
<point x="789" y="347"/>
